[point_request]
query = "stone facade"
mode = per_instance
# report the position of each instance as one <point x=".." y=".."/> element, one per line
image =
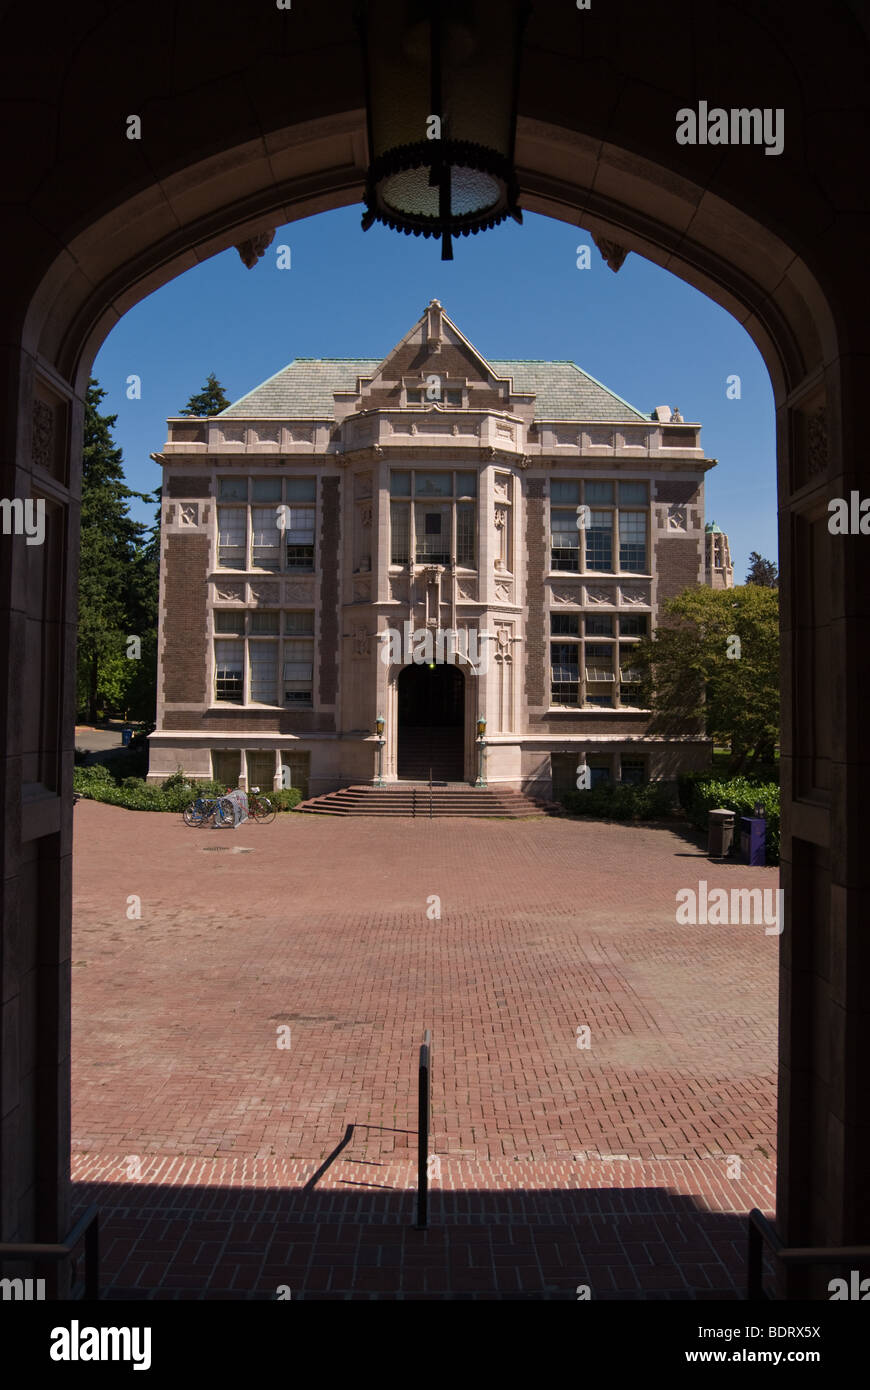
<point x="345" y="503"/>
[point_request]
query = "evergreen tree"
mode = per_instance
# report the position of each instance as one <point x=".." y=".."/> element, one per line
<point x="762" y="572"/>
<point x="116" y="593"/>
<point x="210" y="401"/>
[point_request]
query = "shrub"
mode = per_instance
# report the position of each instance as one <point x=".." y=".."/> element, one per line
<point x="622" y="801"/>
<point x="285" y="799"/>
<point x="701" y="793"/>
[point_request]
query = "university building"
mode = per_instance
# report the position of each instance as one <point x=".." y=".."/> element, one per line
<point x="372" y="569"/>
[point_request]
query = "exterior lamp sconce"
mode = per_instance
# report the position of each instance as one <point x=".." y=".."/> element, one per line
<point x="379" y="731"/>
<point x="481" y="755"/>
<point x="441" y="100"/>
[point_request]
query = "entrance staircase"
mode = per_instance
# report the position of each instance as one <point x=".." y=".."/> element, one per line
<point x="418" y="799"/>
<point x="423" y="748"/>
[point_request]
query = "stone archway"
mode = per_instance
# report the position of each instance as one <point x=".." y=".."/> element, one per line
<point x="430" y="734"/>
<point x="778" y="242"/>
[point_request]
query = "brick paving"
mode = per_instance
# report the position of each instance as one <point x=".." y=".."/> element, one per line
<point x="329" y="928"/>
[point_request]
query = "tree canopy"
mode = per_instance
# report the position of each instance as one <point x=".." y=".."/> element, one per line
<point x="210" y="400"/>
<point x="714" y="661"/>
<point x="118" y="575"/>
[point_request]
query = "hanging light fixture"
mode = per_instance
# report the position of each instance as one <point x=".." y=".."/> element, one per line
<point x="441" y="97"/>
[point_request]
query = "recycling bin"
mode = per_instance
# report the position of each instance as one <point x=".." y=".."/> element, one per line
<point x="126" y="735"/>
<point x="752" y="836"/>
<point x="720" y="833"/>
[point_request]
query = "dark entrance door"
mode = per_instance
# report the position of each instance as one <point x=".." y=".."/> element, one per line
<point x="431" y="723"/>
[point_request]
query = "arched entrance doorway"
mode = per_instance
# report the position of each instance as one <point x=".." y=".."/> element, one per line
<point x="779" y="242"/>
<point x="431" y="723"/>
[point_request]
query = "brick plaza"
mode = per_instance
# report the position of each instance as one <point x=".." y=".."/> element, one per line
<point x="226" y="1166"/>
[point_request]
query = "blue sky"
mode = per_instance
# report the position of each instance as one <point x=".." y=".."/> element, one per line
<point x="514" y="292"/>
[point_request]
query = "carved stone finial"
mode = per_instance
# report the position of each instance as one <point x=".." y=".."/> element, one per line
<point x="613" y="253"/>
<point x="254" y="247"/>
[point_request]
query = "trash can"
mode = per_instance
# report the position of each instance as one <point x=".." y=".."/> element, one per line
<point x="126" y="735"/>
<point x="752" y="836"/>
<point x="720" y="832"/>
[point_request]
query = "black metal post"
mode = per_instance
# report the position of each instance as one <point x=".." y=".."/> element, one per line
<point x="424" y="1107"/>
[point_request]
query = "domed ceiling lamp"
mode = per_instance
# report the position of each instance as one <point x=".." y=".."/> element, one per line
<point x="441" y="97"/>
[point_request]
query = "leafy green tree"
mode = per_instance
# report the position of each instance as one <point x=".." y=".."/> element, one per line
<point x="714" y="661"/>
<point x="115" y="600"/>
<point x="210" y="401"/>
<point x="761" y="571"/>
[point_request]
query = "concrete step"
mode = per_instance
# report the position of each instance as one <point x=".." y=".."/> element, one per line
<point x="416" y="801"/>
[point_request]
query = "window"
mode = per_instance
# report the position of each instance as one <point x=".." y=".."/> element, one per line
<point x="599" y="673"/>
<point x="599" y="769"/>
<point x="271" y="655"/>
<point x="295" y="769"/>
<point x="599" y="541"/>
<point x="565" y="673"/>
<point x="263" y="663"/>
<point x="229" y="667"/>
<point x="629" y="670"/>
<point x="597" y="625"/>
<point x="421" y="395"/>
<point x="233" y="489"/>
<point x="280" y="534"/>
<point x="633" y="494"/>
<point x="261" y="770"/>
<point x="443" y="530"/>
<point x="228" y="621"/>
<point x="265" y="538"/>
<point x="600" y="494"/>
<point x="632" y="541"/>
<point x="226" y="765"/>
<point x="633" y="771"/>
<point x="298" y="658"/>
<point x="564" y="540"/>
<point x="299" y="538"/>
<point x="565" y="624"/>
<point x="266" y="490"/>
<point x="232" y="522"/>
<point x="633" y="626"/>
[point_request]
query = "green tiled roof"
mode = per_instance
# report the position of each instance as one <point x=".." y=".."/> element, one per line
<point x="304" y="390"/>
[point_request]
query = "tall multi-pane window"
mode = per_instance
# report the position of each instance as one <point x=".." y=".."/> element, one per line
<point x="271" y="525"/>
<point x="612" y="523"/>
<point x="298" y="658"/>
<point x="438" y="521"/>
<point x="276" y="651"/>
<point x="229" y="671"/>
<point x="593" y="659"/>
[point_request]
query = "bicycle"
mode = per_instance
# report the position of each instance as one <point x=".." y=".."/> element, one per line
<point x="260" y="807"/>
<point x="204" y="808"/>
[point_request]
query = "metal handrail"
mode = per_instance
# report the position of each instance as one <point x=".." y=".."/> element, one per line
<point x="430" y="791"/>
<point x="763" y="1232"/>
<point x="88" y="1225"/>
<point x="424" y="1114"/>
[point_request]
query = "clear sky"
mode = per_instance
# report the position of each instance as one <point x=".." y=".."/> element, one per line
<point x="513" y="291"/>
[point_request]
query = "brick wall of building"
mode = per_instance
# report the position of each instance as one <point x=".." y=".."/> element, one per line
<point x="330" y="566"/>
<point x="536" y="560"/>
<point x="185" y="658"/>
<point x="679" y="563"/>
<point x="246" y="720"/>
<point x="682" y="493"/>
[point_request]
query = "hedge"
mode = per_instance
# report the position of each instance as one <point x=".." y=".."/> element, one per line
<point x="701" y="793"/>
<point x="96" y="783"/>
<point x="622" y="801"/>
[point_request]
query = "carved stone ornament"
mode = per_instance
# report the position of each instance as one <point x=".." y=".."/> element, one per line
<point x="365" y="516"/>
<point x="566" y="595"/>
<point x="596" y="595"/>
<point x="503" y="637"/>
<point x="189" y="514"/>
<point x="254" y="247"/>
<point x="467" y="589"/>
<point x="501" y="518"/>
<point x="817" y="442"/>
<point x="503" y="593"/>
<point x="613" y="254"/>
<point x="524" y="461"/>
<point x="360" y="641"/>
<point x="265" y="593"/>
<point x="500" y="487"/>
<point x="676" y="518"/>
<point x="298" y="590"/>
<point x="42" y="444"/>
<point x="633" y="596"/>
<point x="229" y="593"/>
